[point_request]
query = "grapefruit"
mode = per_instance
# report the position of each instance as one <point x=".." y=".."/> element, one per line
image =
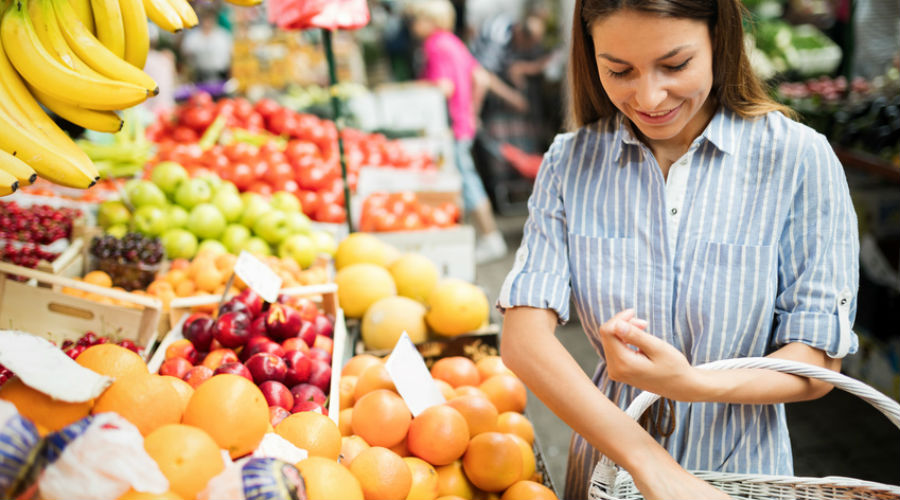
<point x="361" y="285"/>
<point x="415" y="276"/>
<point x="386" y="320"/>
<point x="456" y="307"/>
<point x="360" y="248"/>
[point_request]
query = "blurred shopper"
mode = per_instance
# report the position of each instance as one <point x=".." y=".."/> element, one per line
<point x="161" y="67"/>
<point x="207" y="50"/>
<point x="449" y="65"/>
<point x="691" y="220"/>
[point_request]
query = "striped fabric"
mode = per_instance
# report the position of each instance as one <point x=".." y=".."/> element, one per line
<point x="751" y="243"/>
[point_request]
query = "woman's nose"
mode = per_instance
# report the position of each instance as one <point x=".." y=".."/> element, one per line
<point x="650" y="93"/>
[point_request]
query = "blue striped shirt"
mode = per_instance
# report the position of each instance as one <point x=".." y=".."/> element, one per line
<point x="749" y="244"/>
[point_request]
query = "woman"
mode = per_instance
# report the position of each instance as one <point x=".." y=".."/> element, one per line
<point x="691" y="220"/>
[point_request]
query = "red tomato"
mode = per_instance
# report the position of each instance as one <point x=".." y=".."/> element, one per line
<point x="255" y="122"/>
<point x="200" y="99"/>
<point x="198" y="118"/>
<point x="440" y="218"/>
<point x="297" y="149"/>
<point x="239" y="151"/>
<point x="309" y="200"/>
<point x="260" y="187"/>
<point x="386" y="222"/>
<point x="242" y="108"/>
<point x="241" y="175"/>
<point x="286" y="184"/>
<point x="185" y="134"/>
<point x="266" y="107"/>
<point x="273" y="157"/>
<point x="278" y="171"/>
<point x="451" y="209"/>
<point x="281" y="121"/>
<point x="215" y="161"/>
<point x="225" y="107"/>
<point x="330" y="213"/>
<point x="315" y="178"/>
<point x="411" y="222"/>
<point x="259" y="167"/>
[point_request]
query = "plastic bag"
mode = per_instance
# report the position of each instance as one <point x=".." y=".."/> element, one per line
<point x="19" y="441"/>
<point x="255" y="478"/>
<point x="327" y="14"/>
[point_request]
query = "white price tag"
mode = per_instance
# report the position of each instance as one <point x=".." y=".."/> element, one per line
<point x="412" y="378"/>
<point x="258" y="276"/>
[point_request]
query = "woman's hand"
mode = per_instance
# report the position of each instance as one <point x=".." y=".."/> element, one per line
<point x="639" y="359"/>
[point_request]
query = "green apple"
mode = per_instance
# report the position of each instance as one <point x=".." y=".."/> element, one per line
<point x="229" y="204"/>
<point x="167" y="176"/>
<point x="192" y="193"/>
<point x="284" y="201"/>
<point x="212" y="180"/>
<point x="206" y="222"/>
<point x="118" y="230"/>
<point x="234" y="237"/>
<point x="254" y="207"/>
<point x="111" y="213"/>
<point x="176" y="216"/>
<point x="179" y="243"/>
<point x="149" y="220"/>
<point x="228" y="187"/>
<point x="298" y="247"/>
<point x="298" y="223"/>
<point x="324" y="242"/>
<point x="272" y="226"/>
<point x="257" y="246"/>
<point x="212" y="246"/>
<point x="145" y="193"/>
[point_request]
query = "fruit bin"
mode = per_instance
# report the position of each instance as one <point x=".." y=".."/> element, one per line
<point x="324" y="295"/>
<point x="45" y="310"/>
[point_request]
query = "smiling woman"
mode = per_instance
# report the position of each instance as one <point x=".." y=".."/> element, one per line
<point x="684" y="217"/>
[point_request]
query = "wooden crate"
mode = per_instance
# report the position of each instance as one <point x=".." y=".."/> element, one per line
<point x="69" y="263"/>
<point x="46" y="311"/>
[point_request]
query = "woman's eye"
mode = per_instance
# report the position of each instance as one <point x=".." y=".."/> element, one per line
<point x="680" y="66"/>
<point x="618" y="74"/>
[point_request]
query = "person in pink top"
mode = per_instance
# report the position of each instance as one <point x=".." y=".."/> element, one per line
<point x="449" y="65"/>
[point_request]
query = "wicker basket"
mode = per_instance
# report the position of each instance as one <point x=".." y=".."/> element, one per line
<point x="609" y="482"/>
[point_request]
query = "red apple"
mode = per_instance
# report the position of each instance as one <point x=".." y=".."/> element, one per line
<point x="299" y="366"/>
<point x="324" y="326"/>
<point x="307" y="332"/>
<point x="197" y="375"/>
<point x="183" y="348"/>
<point x="307" y="406"/>
<point x="307" y="309"/>
<point x="326" y="344"/>
<point x="266" y="366"/>
<point x="277" y="394"/>
<point x="234" y="367"/>
<point x="308" y="392"/>
<point x="198" y="329"/>
<point x="277" y="414"/>
<point x="232" y="329"/>
<point x="176" y="367"/>
<point x="267" y="346"/>
<point x="320" y="354"/>
<point x="282" y="322"/>
<point x="234" y="305"/>
<point x="258" y="327"/>
<point x="320" y="376"/>
<point x="252" y="300"/>
<point x="218" y="357"/>
<point x="295" y="344"/>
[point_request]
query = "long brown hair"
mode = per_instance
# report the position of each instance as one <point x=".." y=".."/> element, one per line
<point x="735" y="86"/>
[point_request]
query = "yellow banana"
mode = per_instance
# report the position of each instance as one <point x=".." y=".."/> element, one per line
<point x="163" y="15"/>
<point x="17" y="168"/>
<point x="108" y="25"/>
<point x="39" y="68"/>
<point x="8" y="183"/>
<point x="48" y="32"/>
<point x="137" y="34"/>
<point x="94" y="119"/>
<point x="83" y="11"/>
<point x="244" y="3"/>
<point x="185" y="12"/>
<point x="94" y="53"/>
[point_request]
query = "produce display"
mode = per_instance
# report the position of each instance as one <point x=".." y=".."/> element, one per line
<point x="403" y="211"/>
<point x="27" y="234"/>
<point x="131" y="261"/>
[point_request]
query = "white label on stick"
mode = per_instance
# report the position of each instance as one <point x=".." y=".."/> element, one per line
<point x="409" y="373"/>
<point x="258" y="276"/>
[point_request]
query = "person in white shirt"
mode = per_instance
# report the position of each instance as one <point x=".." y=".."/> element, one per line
<point x="207" y="50"/>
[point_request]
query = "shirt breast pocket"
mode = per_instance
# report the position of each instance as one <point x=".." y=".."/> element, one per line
<point x="603" y="273"/>
<point x="726" y="300"/>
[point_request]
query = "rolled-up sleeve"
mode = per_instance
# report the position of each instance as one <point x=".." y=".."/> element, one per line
<point x="818" y="258"/>
<point x="540" y="274"/>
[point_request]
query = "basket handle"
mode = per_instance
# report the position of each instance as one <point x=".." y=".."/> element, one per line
<point x="884" y="404"/>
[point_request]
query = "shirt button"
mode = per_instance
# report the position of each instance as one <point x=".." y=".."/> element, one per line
<point x="674" y="211"/>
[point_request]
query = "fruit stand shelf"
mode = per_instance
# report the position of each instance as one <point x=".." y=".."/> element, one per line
<point x="869" y="163"/>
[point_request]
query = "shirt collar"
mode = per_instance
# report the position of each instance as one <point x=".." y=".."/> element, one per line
<point x="717" y="133"/>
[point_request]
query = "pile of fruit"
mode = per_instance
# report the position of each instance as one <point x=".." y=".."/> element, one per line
<point x="39" y="224"/>
<point x="476" y="445"/>
<point x="403" y="211"/>
<point x="393" y="293"/>
<point x="25" y="255"/>
<point x="285" y="348"/>
<point x="131" y="261"/>
<point x="101" y="278"/>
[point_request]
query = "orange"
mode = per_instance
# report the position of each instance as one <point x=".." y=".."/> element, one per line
<point x="452" y="481"/>
<point x="516" y="423"/>
<point x="424" y="480"/>
<point x="468" y="390"/>
<point x="225" y="262"/>
<point x="179" y="264"/>
<point x="313" y="432"/>
<point x="147" y="401"/>
<point x="456" y="371"/>
<point x="401" y="448"/>
<point x="176" y="276"/>
<point x="381" y="418"/>
<point x="446" y="389"/>
<point x="345" y="421"/>
<point x="439" y="435"/>
<point x="186" y="455"/>
<point x="328" y="480"/>
<point x="453" y="497"/>
<point x="479" y="412"/>
<point x="382" y="474"/>
<point x="232" y="410"/>
<point x="139" y="495"/>
<point x="185" y="288"/>
<point x="489" y="366"/>
<point x="358" y="363"/>
<point x="351" y="446"/>
<point x="347" y="387"/>
<point x="493" y="461"/>
<point x="98" y="278"/>
<point x="184" y="390"/>
<point x="41" y="408"/>
<point x="373" y="378"/>
<point x="112" y="360"/>
<point x="208" y="278"/>
<point x="529" y="464"/>
<point x="507" y="393"/>
<point x="528" y="490"/>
